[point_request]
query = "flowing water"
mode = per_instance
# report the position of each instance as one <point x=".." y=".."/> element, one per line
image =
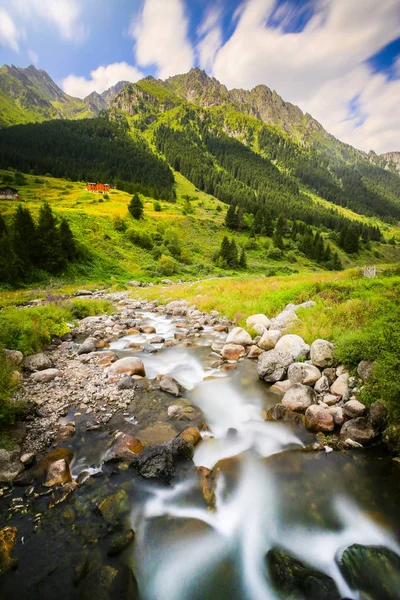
<point x="270" y="493"/>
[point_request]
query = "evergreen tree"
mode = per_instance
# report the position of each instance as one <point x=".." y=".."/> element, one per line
<point x="68" y="246"/>
<point x="328" y="254"/>
<point x="243" y="260"/>
<point x="337" y="264"/>
<point x="231" y="220"/>
<point x="225" y="250"/>
<point x="233" y="254"/>
<point x="136" y="207"/>
<point x="3" y="226"/>
<point x="24" y="240"/>
<point x="50" y="256"/>
<point x="9" y="265"/>
<point x="268" y="225"/>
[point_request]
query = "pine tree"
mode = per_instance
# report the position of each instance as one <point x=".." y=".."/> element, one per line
<point x="328" y="254"/>
<point x="135" y="207"/>
<point x="243" y="260"/>
<point x="225" y="250"/>
<point x="231" y="220"/>
<point x="24" y="239"/>
<point x="10" y="271"/>
<point x="337" y="264"/>
<point x="68" y="246"/>
<point x="3" y="226"/>
<point x="233" y="254"/>
<point x="50" y="256"/>
<point x="268" y="225"/>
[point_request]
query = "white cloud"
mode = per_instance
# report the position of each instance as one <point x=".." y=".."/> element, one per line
<point x="65" y="15"/>
<point x="160" y="33"/>
<point x="100" y="79"/>
<point x="321" y="68"/>
<point x="8" y="32"/>
<point x="33" y="57"/>
<point x="210" y="38"/>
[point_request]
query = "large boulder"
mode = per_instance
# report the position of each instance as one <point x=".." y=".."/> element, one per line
<point x="359" y="430"/>
<point x="321" y="353"/>
<point x="303" y="373"/>
<point x="89" y="345"/>
<point x="45" y="376"/>
<point x="295" y="579"/>
<point x="284" y="320"/>
<point x="232" y="351"/>
<point x="258" y="320"/>
<point x="37" y="362"/>
<point x="319" y="419"/>
<point x="365" y="369"/>
<point x="269" y="339"/>
<point x="160" y="461"/>
<point x="129" y="365"/>
<point x="299" y="397"/>
<point x="238" y="335"/>
<point x="294" y="345"/>
<point x="272" y="366"/>
<point x="10" y="465"/>
<point x="340" y="387"/>
<point x="373" y="570"/>
<point x="377" y="415"/>
<point x="354" y="408"/>
<point x="109" y="583"/>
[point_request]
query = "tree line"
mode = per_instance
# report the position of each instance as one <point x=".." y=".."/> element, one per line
<point x="27" y="247"/>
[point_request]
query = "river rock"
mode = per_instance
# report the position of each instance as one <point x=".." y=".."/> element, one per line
<point x="208" y="482"/>
<point x="89" y="345"/>
<point x="365" y="369"/>
<point x="157" y="339"/>
<point x="304" y="373"/>
<point x="122" y="447"/>
<point x="337" y="414"/>
<point x="120" y="541"/>
<point x="281" y="387"/>
<point x="321" y="353"/>
<point x="377" y="415"/>
<point x="272" y="366"/>
<point x="191" y="435"/>
<point x="299" y="397"/>
<point x="296" y="579"/>
<point x="45" y="376"/>
<point x="126" y="383"/>
<point x="109" y="583"/>
<point x="57" y="473"/>
<point x="239" y="336"/>
<point x="254" y="352"/>
<point x="129" y="365"/>
<point x="354" y="408"/>
<point x="359" y="430"/>
<point x="269" y="339"/>
<point x="294" y="345"/>
<point x="37" y="362"/>
<point x="8" y="539"/>
<point x="160" y="461"/>
<point x="373" y="570"/>
<point x="10" y="465"/>
<point x="322" y="385"/>
<point x="15" y="357"/>
<point x="284" y="320"/>
<point x="169" y="385"/>
<point x="330" y="399"/>
<point x="232" y="351"/>
<point x="114" y="509"/>
<point x="319" y="419"/>
<point x="258" y="320"/>
<point x="281" y="413"/>
<point x="340" y="387"/>
<point x="183" y="413"/>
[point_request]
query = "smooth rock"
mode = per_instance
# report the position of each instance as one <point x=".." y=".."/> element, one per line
<point x="191" y="435"/>
<point x="281" y="387"/>
<point x="359" y="430"/>
<point x="15" y="357"/>
<point x="254" y="352"/>
<point x="89" y="345"/>
<point x="259" y="319"/>
<point x="349" y="443"/>
<point x="269" y="339"/>
<point x="129" y="365"/>
<point x="330" y="373"/>
<point x="120" y="541"/>
<point x="337" y="414"/>
<point x="377" y="415"/>
<point x="114" y="509"/>
<point x="322" y="385"/>
<point x="57" y="473"/>
<point x="37" y="362"/>
<point x="365" y="369"/>
<point x="169" y="385"/>
<point x="299" y="397"/>
<point x="304" y="373"/>
<point x="208" y="482"/>
<point x="294" y="345"/>
<point x="110" y="583"/>
<point x="321" y="353"/>
<point x="233" y="351"/>
<point x="330" y="399"/>
<point x="182" y="413"/>
<point x="240" y="336"/>
<point x="272" y="366"/>
<point x="122" y="447"/>
<point x="281" y="413"/>
<point x="340" y="387"/>
<point x="353" y="409"/>
<point x="259" y="329"/>
<point x="126" y="383"/>
<point x="319" y="419"/>
<point x="284" y="320"/>
<point x="10" y="465"/>
<point x="45" y="376"/>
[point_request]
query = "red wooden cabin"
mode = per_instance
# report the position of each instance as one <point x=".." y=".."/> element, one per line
<point x="98" y="187"/>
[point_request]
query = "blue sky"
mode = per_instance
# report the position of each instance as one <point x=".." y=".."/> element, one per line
<point x="339" y="60"/>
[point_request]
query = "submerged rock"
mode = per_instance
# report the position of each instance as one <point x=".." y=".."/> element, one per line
<point x="120" y="541"/>
<point x="110" y="583"/>
<point x="58" y="473"/>
<point x="8" y="538"/>
<point x="160" y="461"/>
<point x="373" y="570"/>
<point x="114" y="509"/>
<point x="295" y="579"/>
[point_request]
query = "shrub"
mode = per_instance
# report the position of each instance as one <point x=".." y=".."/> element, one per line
<point x="275" y="254"/>
<point x="167" y="265"/>
<point x="80" y="308"/>
<point x="9" y="411"/>
<point x="119" y="224"/>
<point x="143" y="240"/>
<point x="157" y="206"/>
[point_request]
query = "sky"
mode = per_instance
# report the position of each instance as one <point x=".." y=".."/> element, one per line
<point x="338" y="60"/>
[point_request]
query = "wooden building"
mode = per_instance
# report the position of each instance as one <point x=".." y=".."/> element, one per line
<point x="98" y="187"/>
<point x="8" y="193"/>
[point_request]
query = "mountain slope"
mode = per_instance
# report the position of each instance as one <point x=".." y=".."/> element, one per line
<point x="30" y="95"/>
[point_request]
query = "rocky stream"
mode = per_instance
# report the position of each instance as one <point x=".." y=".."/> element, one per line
<point x="167" y="455"/>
